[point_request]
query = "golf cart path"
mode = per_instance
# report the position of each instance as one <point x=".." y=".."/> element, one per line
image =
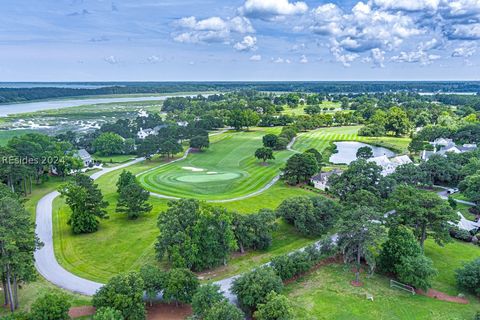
<point x="47" y="264"/>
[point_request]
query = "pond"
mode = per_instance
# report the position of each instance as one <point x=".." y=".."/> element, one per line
<point x="347" y="151"/>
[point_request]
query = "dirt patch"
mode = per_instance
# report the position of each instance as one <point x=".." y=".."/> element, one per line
<point x="441" y="296"/>
<point x="165" y="311"/>
<point x="356" y="283"/>
<point x="77" y="312"/>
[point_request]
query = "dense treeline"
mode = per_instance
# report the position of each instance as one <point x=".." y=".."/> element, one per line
<point x="9" y="95"/>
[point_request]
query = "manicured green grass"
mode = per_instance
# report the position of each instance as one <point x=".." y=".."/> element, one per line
<point x="327" y="293"/>
<point x="322" y="138"/>
<point x="300" y="110"/>
<point x="226" y="170"/>
<point x="28" y="293"/>
<point x="115" y="159"/>
<point x="121" y="245"/>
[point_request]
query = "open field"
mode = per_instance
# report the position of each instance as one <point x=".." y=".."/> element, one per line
<point x="322" y="138"/>
<point x="226" y="170"/>
<point x="116" y="159"/>
<point x="327" y="293"/>
<point x="300" y="110"/>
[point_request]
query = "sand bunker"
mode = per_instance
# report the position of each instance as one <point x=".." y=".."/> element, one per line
<point x="212" y="172"/>
<point x="193" y="169"/>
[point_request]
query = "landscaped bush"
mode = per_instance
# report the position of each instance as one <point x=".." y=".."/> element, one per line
<point x="108" y="314"/>
<point x="223" y="311"/>
<point x="460" y="234"/>
<point x="51" y="306"/>
<point x="289" y="265"/>
<point x="468" y="277"/>
<point x="123" y="293"/>
<point x="277" y="307"/>
<point x="253" y="287"/>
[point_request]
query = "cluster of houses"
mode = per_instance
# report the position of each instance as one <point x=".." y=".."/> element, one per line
<point x="441" y="146"/>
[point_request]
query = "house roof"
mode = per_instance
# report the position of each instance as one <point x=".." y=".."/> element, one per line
<point x="83" y="154"/>
<point x="401" y="160"/>
<point x="324" y="175"/>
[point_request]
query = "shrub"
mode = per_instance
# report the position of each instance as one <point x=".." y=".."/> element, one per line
<point x="123" y="293"/>
<point x="417" y="271"/>
<point x="468" y="277"/>
<point x="277" y="307"/>
<point x="51" y="306"/>
<point x="108" y="314"/>
<point x="290" y="265"/>
<point x="224" y="311"/>
<point x="204" y="298"/>
<point x="253" y="287"/>
<point x="461" y="234"/>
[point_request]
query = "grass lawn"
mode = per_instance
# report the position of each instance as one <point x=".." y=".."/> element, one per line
<point x="121" y="245"/>
<point x="115" y="159"/>
<point x="327" y="293"/>
<point x="6" y="135"/>
<point x="300" y="110"/>
<point x="226" y="170"/>
<point x="31" y="291"/>
<point x="320" y="139"/>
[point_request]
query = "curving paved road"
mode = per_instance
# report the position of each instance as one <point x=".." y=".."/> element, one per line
<point x="48" y="266"/>
<point x="45" y="261"/>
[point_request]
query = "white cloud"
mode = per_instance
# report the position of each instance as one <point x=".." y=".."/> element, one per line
<point x="464" y="52"/>
<point x="408" y="5"/>
<point x="248" y="43"/>
<point x="419" y="56"/>
<point x="111" y="60"/>
<point x="364" y="27"/>
<point x="256" y="57"/>
<point x="464" y="31"/>
<point x="269" y="9"/>
<point x="303" y="59"/>
<point x="281" y="60"/>
<point x="154" y="59"/>
<point x="213" y="29"/>
<point x="378" y="57"/>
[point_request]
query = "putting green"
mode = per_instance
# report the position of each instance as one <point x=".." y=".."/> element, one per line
<point x="228" y="169"/>
<point x="208" y="177"/>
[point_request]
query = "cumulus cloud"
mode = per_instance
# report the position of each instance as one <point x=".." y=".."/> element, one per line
<point x="213" y="29"/>
<point x="464" y="51"/>
<point x="363" y="28"/>
<point x="303" y="59"/>
<point x="281" y="60"/>
<point x="111" y="60"/>
<point x="248" y="43"/>
<point x="419" y="56"/>
<point x="256" y="57"/>
<point x="270" y="9"/>
<point x="154" y="59"/>
<point x="464" y="31"/>
<point x="408" y="5"/>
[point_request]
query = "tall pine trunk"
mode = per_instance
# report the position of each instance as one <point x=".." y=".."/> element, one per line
<point x="9" y="292"/>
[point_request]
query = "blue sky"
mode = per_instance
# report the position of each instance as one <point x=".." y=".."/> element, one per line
<point x="101" y="40"/>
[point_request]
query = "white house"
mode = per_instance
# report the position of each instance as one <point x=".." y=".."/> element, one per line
<point x="142" y="134"/>
<point x="320" y="181"/>
<point x="389" y="165"/>
<point x="442" y="146"/>
<point x="85" y="157"/>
